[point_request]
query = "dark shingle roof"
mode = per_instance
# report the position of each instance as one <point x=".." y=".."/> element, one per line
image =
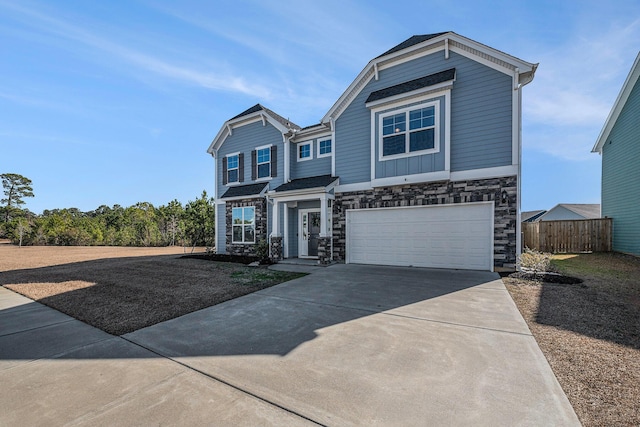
<point x="304" y="183"/>
<point x="245" y="190"/>
<point x="425" y="81"/>
<point x="413" y="40"/>
<point x="273" y="114"/>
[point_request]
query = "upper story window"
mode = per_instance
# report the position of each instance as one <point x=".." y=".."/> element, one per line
<point x="263" y="156"/>
<point x="304" y="151"/>
<point x="409" y="131"/>
<point x="264" y="162"/>
<point x="232" y="168"/>
<point x="324" y="147"/>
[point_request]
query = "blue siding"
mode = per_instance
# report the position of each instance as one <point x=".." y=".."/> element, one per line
<point x="244" y="139"/>
<point x="481" y="125"/>
<point x="621" y="176"/>
<point x="313" y="167"/>
<point x="221" y="236"/>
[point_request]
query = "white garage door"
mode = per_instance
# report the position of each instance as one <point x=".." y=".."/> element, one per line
<point x="440" y="236"/>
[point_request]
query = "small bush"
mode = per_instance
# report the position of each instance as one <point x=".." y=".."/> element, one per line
<point x="262" y="249"/>
<point x="535" y="261"/>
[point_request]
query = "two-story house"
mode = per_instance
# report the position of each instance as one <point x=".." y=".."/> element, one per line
<point x="416" y="164"/>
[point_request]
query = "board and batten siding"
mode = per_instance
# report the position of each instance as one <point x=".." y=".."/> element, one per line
<point x="621" y="176"/>
<point x="481" y="117"/>
<point x="245" y="139"/>
<point x="314" y="167"/>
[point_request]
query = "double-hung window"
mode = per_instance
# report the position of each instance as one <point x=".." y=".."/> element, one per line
<point x="410" y="131"/>
<point x="232" y="168"/>
<point x="324" y="147"/>
<point x="263" y="156"/>
<point x="243" y="225"/>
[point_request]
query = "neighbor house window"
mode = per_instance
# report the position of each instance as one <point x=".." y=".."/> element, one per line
<point x="264" y="162"/>
<point x="410" y="131"/>
<point x="232" y="168"/>
<point x="324" y="147"/>
<point x="243" y="225"/>
<point x="304" y="151"/>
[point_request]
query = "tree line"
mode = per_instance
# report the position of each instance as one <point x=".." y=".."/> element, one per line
<point x="142" y="224"/>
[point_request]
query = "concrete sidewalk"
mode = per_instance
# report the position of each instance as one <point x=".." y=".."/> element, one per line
<point x="346" y="345"/>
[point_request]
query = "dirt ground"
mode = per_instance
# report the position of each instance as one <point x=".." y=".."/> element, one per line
<point x="590" y="333"/>
<point x="120" y="290"/>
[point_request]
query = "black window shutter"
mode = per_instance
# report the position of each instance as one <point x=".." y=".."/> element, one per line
<point x="241" y="167"/>
<point x="254" y="166"/>
<point x="224" y="170"/>
<point x="274" y="161"/>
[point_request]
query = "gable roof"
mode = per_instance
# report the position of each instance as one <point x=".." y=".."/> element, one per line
<point x="257" y="112"/>
<point x="423" y="44"/>
<point x="621" y="100"/>
<point x="419" y="83"/>
<point x="585" y="210"/>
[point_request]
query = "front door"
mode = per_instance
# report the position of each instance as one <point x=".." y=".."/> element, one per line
<point x="309" y="232"/>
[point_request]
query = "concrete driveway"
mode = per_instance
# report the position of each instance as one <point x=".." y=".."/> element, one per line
<point x="346" y="345"/>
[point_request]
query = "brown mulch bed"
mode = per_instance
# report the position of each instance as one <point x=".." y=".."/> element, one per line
<point x="120" y="290"/>
<point x="590" y="333"/>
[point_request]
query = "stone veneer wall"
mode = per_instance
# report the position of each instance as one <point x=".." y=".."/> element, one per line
<point x="248" y="249"/>
<point x="438" y="193"/>
<point x="275" y="249"/>
<point x="324" y="250"/>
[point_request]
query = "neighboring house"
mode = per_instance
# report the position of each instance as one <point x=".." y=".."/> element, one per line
<point x="619" y="145"/>
<point x="531" y="216"/>
<point x="417" y="163"/>
<point x="566" y="211"/>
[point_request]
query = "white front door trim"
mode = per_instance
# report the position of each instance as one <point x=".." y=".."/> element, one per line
<point x="303" y="240"/>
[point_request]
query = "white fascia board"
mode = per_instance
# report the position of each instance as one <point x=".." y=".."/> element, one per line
<point x="411" y="179"/>
<point x="229" y="125"/>
<point x="290" y="197"/>
<point x="485" y="173"/>
<point x="358" y="186"/>
<point x="218" y="140"/>
<point x="524" y="66"/>
<point x="621" y="100"/>
<point x="295" y="193"/>
<point x="315" y="132"/>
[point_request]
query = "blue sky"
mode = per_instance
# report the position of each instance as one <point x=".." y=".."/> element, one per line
<point x="116" y="102"/>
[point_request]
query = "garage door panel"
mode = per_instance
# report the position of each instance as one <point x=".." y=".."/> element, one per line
<point x="444" y="236"/>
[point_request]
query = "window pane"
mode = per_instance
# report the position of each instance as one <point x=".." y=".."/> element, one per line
<point x="232" y="162"/>
<point x="394" y="124"/>
<point x="264" y="155"/>
<point x="421" y="140"/>
<point x="393" y="145"/>
<point x="264" y="170"/>
<point x="232" y="175"/>
<point x="248" y="215"/>
<point x="325" y="146"/>
<point x="249" y="233"/>
<point x="236" y="214"/>
<point x="421" y="118"/>
<point x="305" y="151"/>
<point x="237" y="234"/>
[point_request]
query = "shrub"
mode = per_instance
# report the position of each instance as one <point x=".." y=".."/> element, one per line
<point x="535" y="261"/>
<point x="262" y="249"/>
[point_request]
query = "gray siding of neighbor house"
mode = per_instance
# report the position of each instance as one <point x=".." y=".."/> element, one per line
<point x="245" y="139"/>
<point x="313" y="167"/>
<point x="221" y="227"/>
<point x="560" y="213"/>
<point x="481" y="118"/>
<point x="621" y="176"/>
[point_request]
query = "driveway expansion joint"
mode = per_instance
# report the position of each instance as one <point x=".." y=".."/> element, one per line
<point x="40" y="327"/>
<point x="235" y="387"/>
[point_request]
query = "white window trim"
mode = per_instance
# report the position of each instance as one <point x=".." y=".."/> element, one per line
<point x="301" y="144"/>
<point x="330" y="153"/>
<point x="436" y="133"/>
<point x="264" y="178"/>
<point x="226" y="159"/>
<point x="243" y="225"/>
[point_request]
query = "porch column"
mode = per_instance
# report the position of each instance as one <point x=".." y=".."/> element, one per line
<point x="275" y="220"/>
<point x="323" y="215"/>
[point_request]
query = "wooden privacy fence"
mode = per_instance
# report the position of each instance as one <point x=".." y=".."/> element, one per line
<point x="583" y="235"/>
